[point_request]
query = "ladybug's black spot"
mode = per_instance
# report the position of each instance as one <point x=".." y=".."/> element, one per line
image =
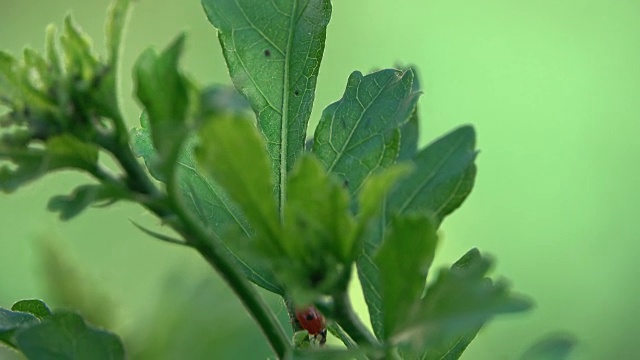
<point x="310" y="316"/>
<point x="267" y="53"/>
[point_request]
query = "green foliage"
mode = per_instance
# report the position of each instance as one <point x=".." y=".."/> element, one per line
<point x="458" y="303"/>
<point x="404" y="260"/>
<point x="167" y="109"/>
<point x="244" y="176"/>
<point x="360" y="133"/>
<point x="33" y="329"/>
<point x="34" y="307"/>
<point x="238" y="186"/>
<point x="273" y="51"/>
<point x="442" y="179"/>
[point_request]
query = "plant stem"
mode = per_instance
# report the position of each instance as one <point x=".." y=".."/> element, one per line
<point x="200" y="238"/>
<point x="350" y="323"/>
<point x="197" y="236"/>
<point x="137" y="178"/>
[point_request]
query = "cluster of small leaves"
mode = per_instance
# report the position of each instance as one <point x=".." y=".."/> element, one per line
<point x="63" y="108"/>
<point x="39" y="333"/>
<point x="246" y="188"/>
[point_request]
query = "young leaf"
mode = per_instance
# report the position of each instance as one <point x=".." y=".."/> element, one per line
<point x="317" y="215"/>
<point x="318" y="245"/>
<point x="458" y="303"/>
<point x="273" y="50"/>
<point x="105" y="96"/>
<point x="246" y="176"/>
<point x="69" y="206"/>
<point x="65" y="335"/>
<point x="164" y="92"/>
<point x="442" y="179"/>
<point x="359" y="133"/>
<point x="404" y="259"/>
<point x="34" y="307"/>
<point x="16" y="89"/>
<point x="444" y="176"/>
<point x="60" y="152"/>
<point x="115" y="24"/>
<point x="80" y="61"/>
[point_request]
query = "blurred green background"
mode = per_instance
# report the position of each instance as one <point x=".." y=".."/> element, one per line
<point x="553" y="89"/>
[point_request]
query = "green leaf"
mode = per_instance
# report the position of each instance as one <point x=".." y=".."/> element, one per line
<point x="458" y="303"/>
<point x="52" y="52"/>
<point x="164" y="92"/>
<point x="80" y="61"/>
<point x="39" y="73"/>
<point x="317" y="221"/>
<point x="104" y="95"/>
<point x="11" y="321"/>
<point x="376" y="188"/>
<point x="17" y="90"/>
<point x="443" y="177"/>
<point x="142" y="146"/>
<point x="404" y="260"/>
<point x="273" y="50"/>
<point x="115" y="24"/>
<point x="445" y="173"/>
<point x="371" y="200"/>
<point x="60" y="152"/>
<point x="409" y="136"/>
<point x="34" y="307"/>
<point x="551" y="347"/>
<point x="9" y="80"/>
<point x="246" y="175"/>
<point x="65" y="335"/>
<point x="410" y="131"/>
<point x="203" y="196"/>
<point x="69" y="206"/>
<point x="360" y="133"/>
<point x="317" y="210"/>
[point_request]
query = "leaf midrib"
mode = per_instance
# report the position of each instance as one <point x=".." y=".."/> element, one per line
<point x="284" y="124"/>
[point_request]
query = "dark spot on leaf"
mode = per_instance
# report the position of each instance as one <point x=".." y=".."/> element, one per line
<point x="267" y="53"/>
<point x="345" y="184"/>
<point x="296" y="93"/>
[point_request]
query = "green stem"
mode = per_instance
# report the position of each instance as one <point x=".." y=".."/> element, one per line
<point x="351" y="323"/>
<point x="137" y="178"/>
<point x="194" y="232"/>
<point x="197" y="236"/>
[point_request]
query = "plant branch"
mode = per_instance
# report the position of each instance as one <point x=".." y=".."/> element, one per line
<point x="200" y="239"/>
<point x="194" y="233"/>
<point x="346" y="317"/>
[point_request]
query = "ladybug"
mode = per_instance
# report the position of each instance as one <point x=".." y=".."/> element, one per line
<point x="313" y="321"/>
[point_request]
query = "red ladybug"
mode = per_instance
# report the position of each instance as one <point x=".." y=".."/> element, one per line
<point x="312" y="320"/>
